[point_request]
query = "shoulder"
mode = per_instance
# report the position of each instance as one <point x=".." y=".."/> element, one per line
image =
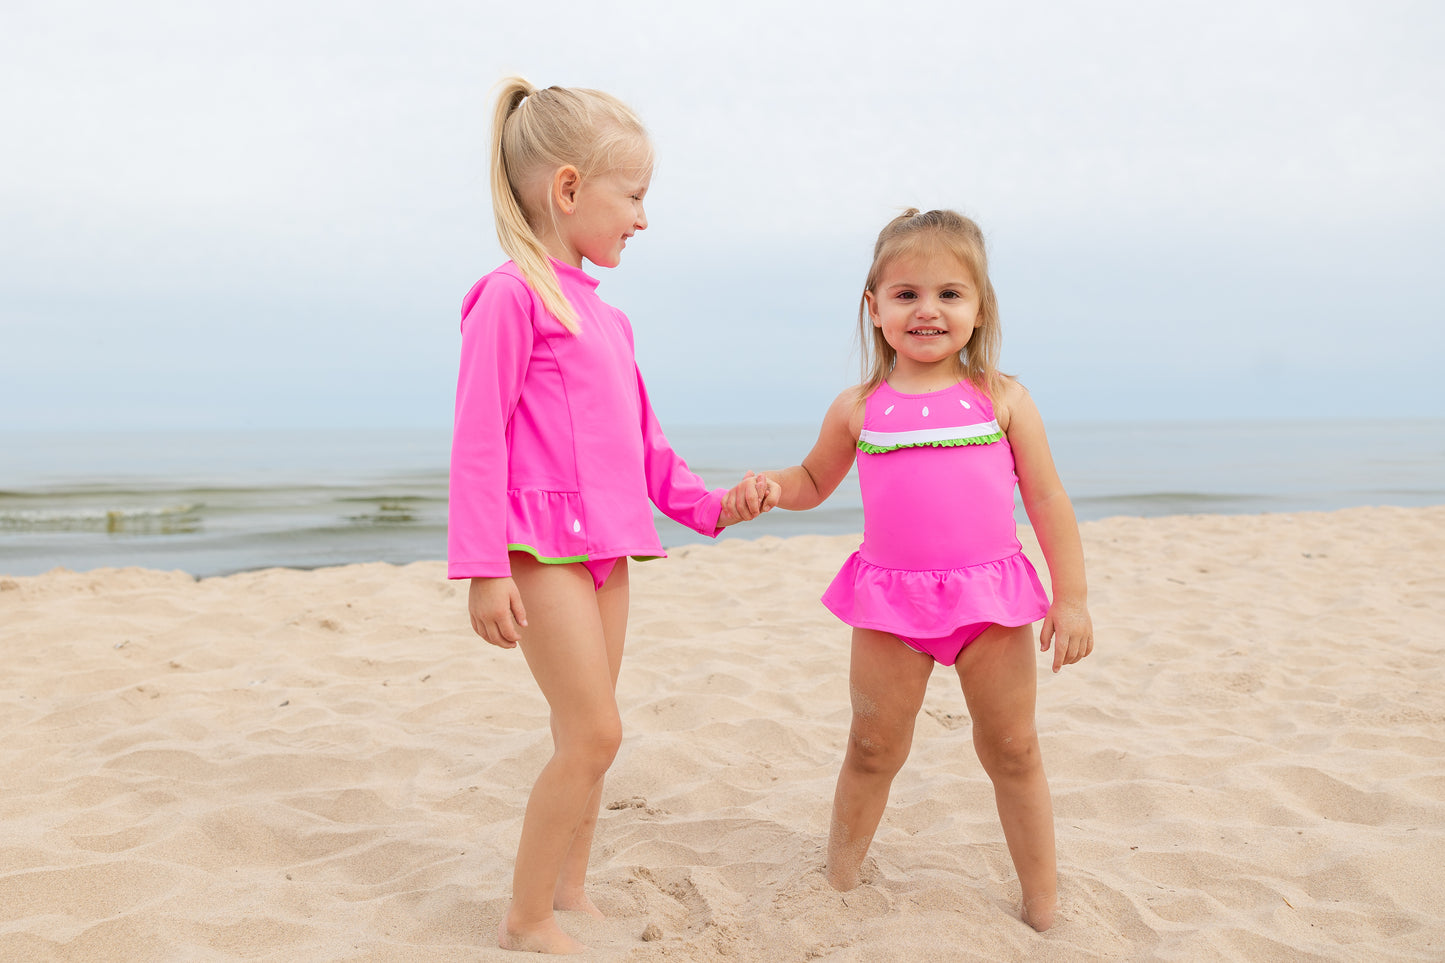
<point x="507" y="280"/>
<point x="500" y="293"/>
<point x="1011" y="390"/>
<point x="620" y="315"/>
<point x="850" y="399"/>
<point x="846" y="411"/>
<point x="1013" y="400"/>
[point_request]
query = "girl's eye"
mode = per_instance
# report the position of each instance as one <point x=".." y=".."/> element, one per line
<point x="906" y="295"/>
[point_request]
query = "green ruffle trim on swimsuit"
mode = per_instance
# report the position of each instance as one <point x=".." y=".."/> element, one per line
<point x="544" y="559"/>
<point x="872" y="449"/>
<point x="570" y="558"/>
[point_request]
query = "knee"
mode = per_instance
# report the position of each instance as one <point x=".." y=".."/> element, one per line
<point x="1009" y="755"/>
<point x="593" y="749"/>
<point x="875" y="753"/>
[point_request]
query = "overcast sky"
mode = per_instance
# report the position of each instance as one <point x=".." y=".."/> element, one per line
<point x="266" y="214"/>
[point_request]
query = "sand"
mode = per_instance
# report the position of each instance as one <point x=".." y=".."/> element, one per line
<point x="328" y="765"/>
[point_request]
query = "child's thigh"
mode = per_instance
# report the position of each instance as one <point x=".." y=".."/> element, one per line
<point x="612" y="603"/>
<point x="887" y="681"/>
<point x="565" y="641"/>
<point x="1000" y="680"/>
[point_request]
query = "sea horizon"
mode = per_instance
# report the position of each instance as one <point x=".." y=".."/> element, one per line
<point x="227" y="500"/>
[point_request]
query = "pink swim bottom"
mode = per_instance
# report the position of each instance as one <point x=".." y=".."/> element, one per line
<point x="599" y="569"/>
<point x="945" y="651"/>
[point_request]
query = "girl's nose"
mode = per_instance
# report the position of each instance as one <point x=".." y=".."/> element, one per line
<point x="641" y="218"/>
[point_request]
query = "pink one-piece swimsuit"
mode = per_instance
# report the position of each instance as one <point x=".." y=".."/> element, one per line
<point x="940" y="560"/>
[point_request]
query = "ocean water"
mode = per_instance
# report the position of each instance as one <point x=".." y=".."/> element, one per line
<point x="211" y="503"/>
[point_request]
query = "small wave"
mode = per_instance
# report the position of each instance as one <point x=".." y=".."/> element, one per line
<point x="173" y="520"/>
<point x="387" y="513"/>
<point x="395" y="500"/>
<point x="354" y="530"/>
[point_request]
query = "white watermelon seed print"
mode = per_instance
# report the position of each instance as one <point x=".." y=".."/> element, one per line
<point x="925" y="411"/>
<point x="576" y="525"/>
<point x="888" y="410"/>
<point x="964" y="403"/>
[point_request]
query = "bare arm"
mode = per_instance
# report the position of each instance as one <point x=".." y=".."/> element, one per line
<point x="1067" y="625"/>
<point x="807" y="485"/>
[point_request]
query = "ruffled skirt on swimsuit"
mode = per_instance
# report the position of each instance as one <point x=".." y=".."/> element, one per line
<point x="932" y="603"/>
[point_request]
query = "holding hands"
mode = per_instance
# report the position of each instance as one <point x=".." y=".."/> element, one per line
<point x="748" y="499"/>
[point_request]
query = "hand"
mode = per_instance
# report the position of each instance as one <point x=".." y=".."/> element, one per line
<point x="1070" y="630"/>
<point x="773" y="496"/>
<point x="748" y="499"/>
<point x="495" y="606"/>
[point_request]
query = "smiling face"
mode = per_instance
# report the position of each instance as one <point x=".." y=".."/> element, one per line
<point x="600" y="214"/>
<point x="926" y="305"/>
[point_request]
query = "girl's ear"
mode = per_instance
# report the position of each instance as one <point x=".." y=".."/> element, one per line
<point x="872" y="309"/>
<point x="564" y="188"/>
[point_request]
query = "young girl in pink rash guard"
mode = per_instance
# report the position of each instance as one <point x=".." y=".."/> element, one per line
<point x="557" y="460"/>
<point x="941" y="438"/>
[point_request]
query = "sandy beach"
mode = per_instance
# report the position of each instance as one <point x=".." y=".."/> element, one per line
<point x="328" y="765"/>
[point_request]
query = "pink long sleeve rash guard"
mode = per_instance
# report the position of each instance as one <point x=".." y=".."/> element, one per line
<point x="555" y="449"/>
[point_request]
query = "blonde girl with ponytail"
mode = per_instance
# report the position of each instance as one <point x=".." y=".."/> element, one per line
<point x="557" y="460"/>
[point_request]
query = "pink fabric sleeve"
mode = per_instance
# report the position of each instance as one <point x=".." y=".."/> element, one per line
<point x="496" y="343"/>
<point x="681" y="495"/>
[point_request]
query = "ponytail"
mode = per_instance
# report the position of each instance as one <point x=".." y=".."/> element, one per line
<point x="514" y="231"/>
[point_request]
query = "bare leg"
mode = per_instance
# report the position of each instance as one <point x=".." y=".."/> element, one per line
<point x="566" y="648"/>
<point x="1000" y="683"/>
<point x="571" y="891"/>
<point x="887" y="682"/>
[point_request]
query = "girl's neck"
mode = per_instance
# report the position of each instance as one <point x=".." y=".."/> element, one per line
<point x="557" y="249"/>
<point x="921" y="380"/>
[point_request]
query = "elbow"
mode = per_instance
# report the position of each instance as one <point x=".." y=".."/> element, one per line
<point x="800" y="490"/>
<point x="1043" y="508"/>
<point x="816" y="492"/>
<point x="794" y="500"/>
<point x="799" y="503"/>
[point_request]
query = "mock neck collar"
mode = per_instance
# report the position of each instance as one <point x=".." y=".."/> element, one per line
<point x="566" y="271"/>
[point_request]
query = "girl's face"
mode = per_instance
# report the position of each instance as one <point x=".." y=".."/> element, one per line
<point x="927" y="306"/>
<point x="606" y="209"/>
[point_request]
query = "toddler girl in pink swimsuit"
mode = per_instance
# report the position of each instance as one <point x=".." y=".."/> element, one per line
<point x="557" y="460"/>
<point x="941" y="438"/>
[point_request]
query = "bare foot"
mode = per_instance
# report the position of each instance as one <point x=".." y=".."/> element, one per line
<point x="545" y="937"/>
<point x="576" y="900"/>
<point x="840" y="880"/>
<point x="1039" y="912"/>
<point x="844" y="865"/>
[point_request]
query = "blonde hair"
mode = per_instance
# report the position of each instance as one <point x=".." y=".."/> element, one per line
<point x="535" y="132"/>
<point x="912" y="233"/>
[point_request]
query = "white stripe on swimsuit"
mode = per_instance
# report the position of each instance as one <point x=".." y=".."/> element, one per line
<point x="926" y="436"/>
